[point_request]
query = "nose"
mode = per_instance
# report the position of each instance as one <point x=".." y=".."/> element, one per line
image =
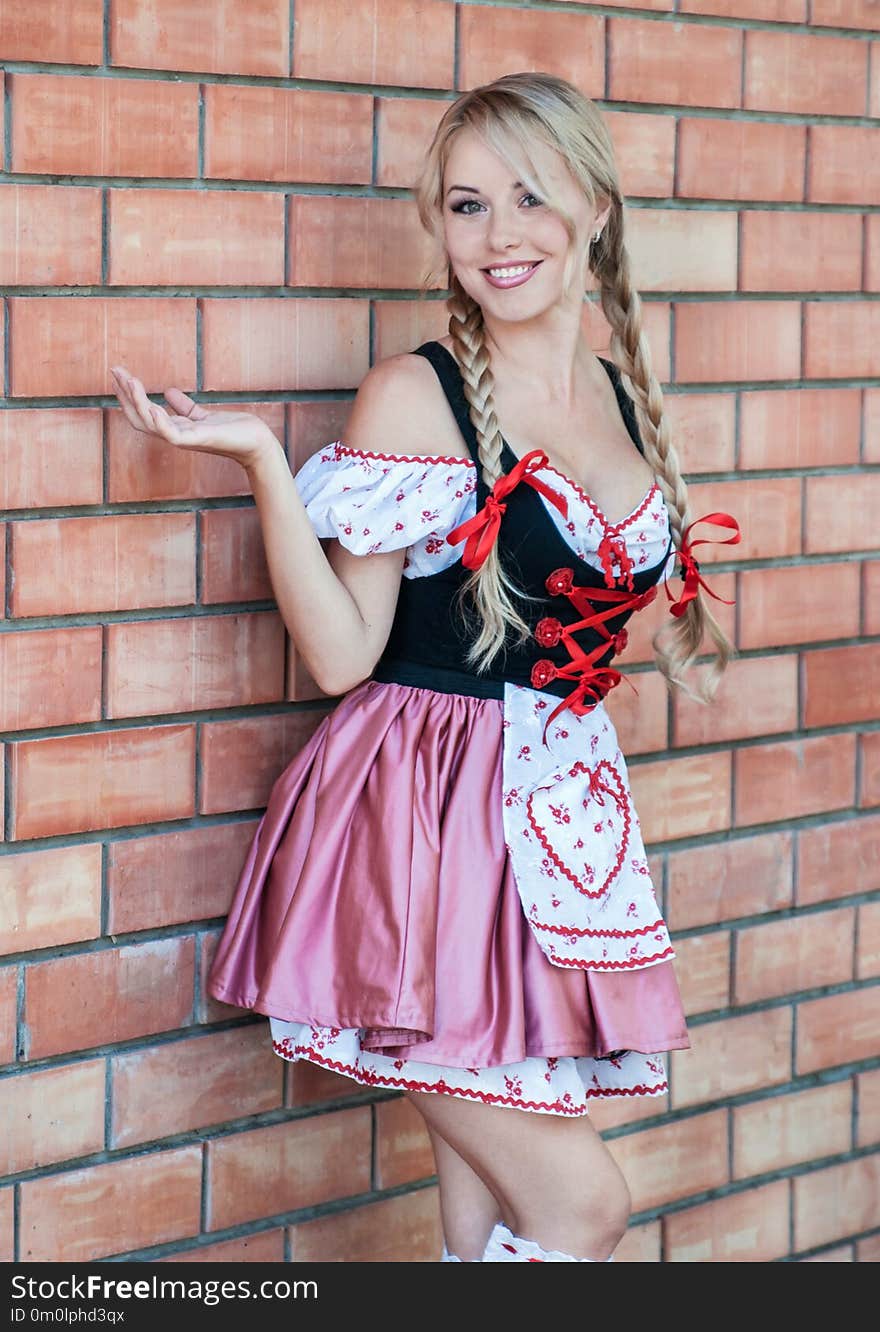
<point x="505" y="232"/>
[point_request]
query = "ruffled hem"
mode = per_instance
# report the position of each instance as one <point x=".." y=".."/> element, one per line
<point x="555" y="1085"/>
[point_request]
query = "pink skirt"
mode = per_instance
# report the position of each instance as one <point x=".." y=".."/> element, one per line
<point x="378" y="912"/>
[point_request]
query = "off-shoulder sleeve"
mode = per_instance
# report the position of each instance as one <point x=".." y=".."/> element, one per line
<point x="376" y="502"/>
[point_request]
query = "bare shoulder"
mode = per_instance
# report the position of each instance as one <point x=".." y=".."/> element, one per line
<point x="401" y="408"/>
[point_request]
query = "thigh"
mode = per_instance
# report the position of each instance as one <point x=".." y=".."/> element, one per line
<point x="537" y="1165"/>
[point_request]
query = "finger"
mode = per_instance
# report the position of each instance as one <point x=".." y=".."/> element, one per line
<point x="184" y="405"/>
<point x="123" y="396"/>
<point x="143" y="405"/>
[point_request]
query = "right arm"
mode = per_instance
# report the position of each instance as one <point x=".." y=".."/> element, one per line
<point x="339" y="607"/>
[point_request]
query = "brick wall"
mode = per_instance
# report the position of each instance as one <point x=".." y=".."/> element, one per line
<point x="219" y="197"/>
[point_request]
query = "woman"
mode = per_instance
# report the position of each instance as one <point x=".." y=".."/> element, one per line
<point x="448" y="892"/>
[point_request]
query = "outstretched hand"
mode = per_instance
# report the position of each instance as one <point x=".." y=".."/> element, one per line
<point x="241" y="436"/>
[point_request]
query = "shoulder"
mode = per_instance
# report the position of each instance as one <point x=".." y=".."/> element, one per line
<point x="401" y="404"/>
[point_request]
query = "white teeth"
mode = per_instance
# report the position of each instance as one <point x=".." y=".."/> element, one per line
<point x="510" y="272"/>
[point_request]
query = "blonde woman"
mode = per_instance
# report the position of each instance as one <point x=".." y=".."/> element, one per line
<point x="448" y="894"/>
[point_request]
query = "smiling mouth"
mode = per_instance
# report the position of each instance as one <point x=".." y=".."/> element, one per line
<point x="506" y="271"/>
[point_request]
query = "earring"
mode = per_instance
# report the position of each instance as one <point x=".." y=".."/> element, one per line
<point x="596" y="237"/>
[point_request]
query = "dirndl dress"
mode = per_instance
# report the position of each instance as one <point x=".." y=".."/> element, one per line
<point x="449" y="892"/>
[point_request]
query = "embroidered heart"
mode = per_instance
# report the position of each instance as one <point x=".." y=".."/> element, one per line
<point x="559" y="811"/>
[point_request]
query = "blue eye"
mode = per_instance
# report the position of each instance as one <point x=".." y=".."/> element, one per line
<point x="466" y="204"/>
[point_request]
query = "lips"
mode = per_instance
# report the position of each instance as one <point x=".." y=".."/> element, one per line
<point x="516" y="276"/>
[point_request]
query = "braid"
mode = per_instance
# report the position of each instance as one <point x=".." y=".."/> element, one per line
<point x="489" y="586"/>
<point x="629" y="348"/>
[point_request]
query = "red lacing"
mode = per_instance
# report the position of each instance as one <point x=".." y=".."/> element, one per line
<point x="593" y="682"/>
<point x="479" y="533"/>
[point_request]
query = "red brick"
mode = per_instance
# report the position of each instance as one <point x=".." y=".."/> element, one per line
<point x="797" y="604"/>
<point x="684" y="249"/>
<point x="794" y="778"/>
<point x="87" y="1214"/>
<point x="839" y="1201"/>
<point x="783" y="1131"/>
<point x="181" y="665"/>
<point x="310" y="1084"/>
<point x="685" y="64"/>
<point x="407" y="42"/>
<point x="173" y="878"/>
<point x="287" y="134"/>
<point x="801" y="251"/>
<point x="675" y="1160"/>
<point x="494" y="41"/>
<point x="65" y="345"/>
<point x="872" y="254"/>
<point x="871" y="398"/>
<point x="747" y="1227"/>
<point x="843" y="1253"/>
<point x="682" y="797"/>
<point x="703" y="427"/>
<point x="298" y="1164"/>
<point x="337" y="241"/>
<point x="803" y="72"/>
<point x="51" y="456"/>
<point x="641" y="720"/>
<point x="267" y="1246"/>
<point x="65" y="566"/>
<point x="403" y="1148"/>
<point x="165" y="34"/>
<point x="869" y="792"/>
<point x="50" y="234"/>
<point x="8" y="992"/>
<point x="115" y="994"/>
<point x="841" y="684"/>
<point x="768" y="516"/>
<point x="837" y="1029"/>
<point x="868" y="959"/>
<point x="7" y="1223"/>
<point x="844" y="13"/>
<point x="703" y="970"/>
<point x="800" y="427"/>
<point x="52" y="1115"/>
<point x="640" y="1244"/>
<point x="213" y="1010"/>
<point x="840" y="513"/>
<point x="141" y="467"/>
<point x="644" y="146"/>
<point x="242" y="759"/>
<point x="311" y="425"/>
<point x="836" y="859"/>
<point x="401" y="326"/>
<point x="50" y="897"/>
<point x="732" y="1056"/>
<point x="300" y="686"/>
<point x="843" y="168"/>
<point x="730" y="340"/>
<point x="233" y="557"/>
<point x="740" y="159"/>
<point x="838" y="336"/>
<point x="70" y="658"/>
<point x="104" y="779"/>
<point x="65" y="124"/>
<point x="778" y="957"/>
<point x="404" y="127"/>
<point x="188" y="237"/>
<point x="756" y="696"/>
<point x="74" y="37"/>
<point x="282" y="343"/>
<point x="405" y="1229"/>
<point x="723" y="880"/>
<point x="868" y="1101"/>
<point x="869" y="1249"/>
<point x="184" y="1085"/>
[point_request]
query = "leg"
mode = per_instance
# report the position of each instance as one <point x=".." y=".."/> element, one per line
<point x="555" y="1180"/>
<point x="468" y="1208"/>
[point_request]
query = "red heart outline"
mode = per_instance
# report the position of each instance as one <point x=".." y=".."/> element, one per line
<point x="621" y="799"/>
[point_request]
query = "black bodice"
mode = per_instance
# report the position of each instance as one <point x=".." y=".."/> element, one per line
<point x="428" y="640"/>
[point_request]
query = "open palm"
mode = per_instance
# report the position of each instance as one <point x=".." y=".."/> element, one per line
<point x="241" y="436"/>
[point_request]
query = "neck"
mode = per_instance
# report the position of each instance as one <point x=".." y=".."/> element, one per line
<point x="546" y="355"/>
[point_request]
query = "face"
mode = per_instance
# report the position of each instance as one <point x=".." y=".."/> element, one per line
<point x="508" y="248"/>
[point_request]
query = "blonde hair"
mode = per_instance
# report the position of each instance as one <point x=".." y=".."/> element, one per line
<point x="511" y="114"/>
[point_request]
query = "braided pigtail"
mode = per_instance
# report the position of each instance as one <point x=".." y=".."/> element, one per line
<point x="676" y="646"/>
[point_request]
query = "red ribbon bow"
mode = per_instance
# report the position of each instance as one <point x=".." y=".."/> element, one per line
<point x="481" y="531"/>
<point x="692" y="577"/>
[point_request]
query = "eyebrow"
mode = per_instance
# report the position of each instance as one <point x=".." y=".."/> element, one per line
<point x="469" y="189"/>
